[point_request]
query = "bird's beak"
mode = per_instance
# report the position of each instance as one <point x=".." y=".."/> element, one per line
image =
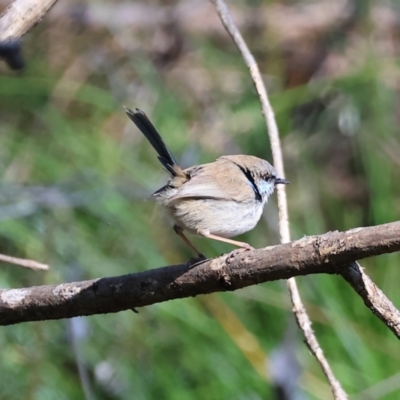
<point x="281" y="181"/>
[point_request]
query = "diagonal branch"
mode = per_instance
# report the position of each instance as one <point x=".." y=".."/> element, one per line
<point x="22" y="15"/>
<point x="299" y="310"/>
<point x="329" y="253"/>
<point x="23" y="262"/>
<point x="373" y="297"/>
<point x="17" y="19"/>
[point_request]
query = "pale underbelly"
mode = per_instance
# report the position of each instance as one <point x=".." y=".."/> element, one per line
<point x="218" y="217"/>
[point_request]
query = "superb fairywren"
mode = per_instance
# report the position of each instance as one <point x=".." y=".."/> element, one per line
<point x="217" y="200"/>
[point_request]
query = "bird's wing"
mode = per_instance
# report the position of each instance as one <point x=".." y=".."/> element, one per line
<point x="231" y="185"/>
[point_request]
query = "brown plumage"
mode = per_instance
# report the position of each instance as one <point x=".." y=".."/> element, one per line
<point x="217" y="200"/>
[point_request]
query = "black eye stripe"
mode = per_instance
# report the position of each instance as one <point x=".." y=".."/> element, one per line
<point x="251" y="180"/>
<point x="267" y="178"/>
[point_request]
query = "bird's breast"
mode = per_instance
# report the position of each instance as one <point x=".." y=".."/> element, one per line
<point x="224" y="218"/>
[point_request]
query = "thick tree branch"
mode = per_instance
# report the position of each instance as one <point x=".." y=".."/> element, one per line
<point x="329" y="253"/>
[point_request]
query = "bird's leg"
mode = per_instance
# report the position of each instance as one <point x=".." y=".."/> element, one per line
<point x="179" y="231"/>
<point x="209" y="235"/>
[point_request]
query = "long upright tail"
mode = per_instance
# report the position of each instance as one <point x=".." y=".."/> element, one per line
<point x="139" y="118"/>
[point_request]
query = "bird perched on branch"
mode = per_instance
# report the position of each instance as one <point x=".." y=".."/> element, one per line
<point x="218" y="200"/>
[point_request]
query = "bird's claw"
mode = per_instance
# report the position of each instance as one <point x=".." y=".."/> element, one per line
<point x="195" y="261"/>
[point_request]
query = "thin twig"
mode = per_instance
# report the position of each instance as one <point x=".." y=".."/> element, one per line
<point x="298" y="307"/>
<point x="23" y="262"/>
<point x="329" y="253"/>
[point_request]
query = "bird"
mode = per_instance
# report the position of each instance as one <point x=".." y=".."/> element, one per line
<point x="218" y="200"/>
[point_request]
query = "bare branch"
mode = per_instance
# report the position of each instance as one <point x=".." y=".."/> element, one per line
<point x="298" y="308"/>
<point x="329" y="253"/>
<point x="15" y="21"/>
<point x="23" y="262"/>
<point x="20" y="16"/>
<point x="373" y="297"/>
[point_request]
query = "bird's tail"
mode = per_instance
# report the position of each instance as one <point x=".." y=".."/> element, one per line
<point x="139" y="118"/>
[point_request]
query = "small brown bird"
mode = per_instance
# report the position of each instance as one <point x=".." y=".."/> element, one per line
<point x="218" y="200"/>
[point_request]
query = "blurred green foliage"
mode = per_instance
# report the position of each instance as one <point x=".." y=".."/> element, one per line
<point x="75" y="174"/>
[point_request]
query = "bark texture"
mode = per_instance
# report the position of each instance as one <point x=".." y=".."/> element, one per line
<point x="329" y="253"/>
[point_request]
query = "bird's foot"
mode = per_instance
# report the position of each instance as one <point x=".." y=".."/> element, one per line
<point x="245" y="247"/>
<point x="195" y="261"/>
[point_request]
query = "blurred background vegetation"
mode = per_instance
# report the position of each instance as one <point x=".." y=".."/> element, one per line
<point x="75" y="173"/>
